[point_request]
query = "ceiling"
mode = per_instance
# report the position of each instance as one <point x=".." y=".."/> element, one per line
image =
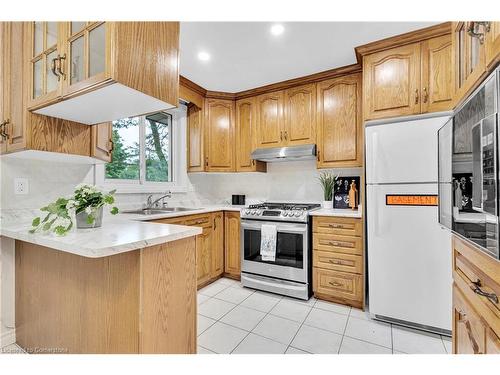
<point x="245" y="55"/>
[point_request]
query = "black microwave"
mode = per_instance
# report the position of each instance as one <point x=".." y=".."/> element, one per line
<point x="468" y="172"/>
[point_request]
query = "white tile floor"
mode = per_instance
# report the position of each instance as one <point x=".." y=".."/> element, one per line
<point x="233" y="319"/>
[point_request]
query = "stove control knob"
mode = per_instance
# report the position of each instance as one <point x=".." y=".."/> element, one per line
<point x="285" y="213"/>
<point x="298" y="213"/>
<point x="254" y="212"/>
<point x="247" y="212"/>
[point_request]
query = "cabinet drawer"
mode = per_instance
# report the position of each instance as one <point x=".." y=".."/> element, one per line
<point x="337" y="244"/>
<point x="468" y="329"/>
<point x="337" y="225"/>
<point x="338" y="284"/>
<point x="338" y="261"/>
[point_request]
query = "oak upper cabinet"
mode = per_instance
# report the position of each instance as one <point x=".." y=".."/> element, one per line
<point x="195" y="149"/>
<point x="102" y="141"/>
<point x="409" y="80"/>
<point x="232" y="258"/>
<point x="77" y="65"/>
<point x="270" y="120"/>
<point x="492" y="43"/>
<point x="13" y="79"/>
<point x="339" y="134"/>
<point x="437" y="75"/>
<point x="217" y="244"/>
<point x="392" y="82"/>
<point x="246" y="132"/>
<point x="219" y="135"/>
<point x="469" y="57"/>
<point x="300" y="115"/>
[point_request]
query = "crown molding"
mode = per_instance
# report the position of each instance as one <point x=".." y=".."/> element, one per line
<point x="402" y="39"/>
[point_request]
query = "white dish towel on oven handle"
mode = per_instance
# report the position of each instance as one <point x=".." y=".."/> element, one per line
<point x="268" y="240"/>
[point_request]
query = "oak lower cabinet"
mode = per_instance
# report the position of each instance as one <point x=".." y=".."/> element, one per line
<point x="26" y="131"/>
<point x="209" y="244"/>
<point x="338" y="260"/>
<point x="232" y="251"/>
<point x="476" y="308"/>
<point x="75" y="65"/>
<point x="219" y="135"/>
<point x="339" y="130"/>
<point x="408" y="80"/>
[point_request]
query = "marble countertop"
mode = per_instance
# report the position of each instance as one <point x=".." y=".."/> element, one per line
<point x="125" y="232"/>
<point x="338" y="212"/>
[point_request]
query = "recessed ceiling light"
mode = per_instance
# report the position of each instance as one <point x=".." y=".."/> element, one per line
<point x="277" y="29"/>
<point x="203" y="56"/>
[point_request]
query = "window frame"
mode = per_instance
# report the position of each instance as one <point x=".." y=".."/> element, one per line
<point x="177" y="166"/>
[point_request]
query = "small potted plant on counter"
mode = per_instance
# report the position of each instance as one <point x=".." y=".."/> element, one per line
<point x="327" y="181"/>
<point x="87" y="203"/>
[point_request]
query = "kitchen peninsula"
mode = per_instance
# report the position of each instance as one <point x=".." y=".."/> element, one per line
<point x="128" y="287"/>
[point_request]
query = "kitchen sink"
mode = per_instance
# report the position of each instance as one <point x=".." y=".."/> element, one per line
<point x="157" y="211"/>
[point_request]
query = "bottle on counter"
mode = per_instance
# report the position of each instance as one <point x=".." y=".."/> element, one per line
<point x="353" y="196"/>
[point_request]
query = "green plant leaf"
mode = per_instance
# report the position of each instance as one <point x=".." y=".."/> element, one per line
<point x="90" y="219"/>
<point x="32" y="230"/>
<point x="114" y="210"/>
<point x="60" y="230"/>
<point x="35" y="222"/>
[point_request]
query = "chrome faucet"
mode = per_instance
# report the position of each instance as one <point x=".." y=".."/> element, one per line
<point x="150" y="203"/>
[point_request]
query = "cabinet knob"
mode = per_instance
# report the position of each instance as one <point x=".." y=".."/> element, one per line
<point x="3" y="131"/>
<point x="426" y="95"/>
<point x="334" y="283"/>
<point x="59" y="66"/>
<point x="416" y="96"/>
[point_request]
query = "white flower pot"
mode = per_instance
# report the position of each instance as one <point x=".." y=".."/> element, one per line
<point x="328" y="205"/>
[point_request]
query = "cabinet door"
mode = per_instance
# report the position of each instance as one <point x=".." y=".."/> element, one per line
<point x="492" y="42"/>
<point x="195" y="162"/>
<point x="3" y="80"/>
<point x="492" y="343"/>
<point x="217" y="244"/>
<point x="437" y="77"/>
<point x="392" y="82"/>
<point x="219" y="135"/>
<point x="300" y="115"/>
<point x="468" y="329"/>
<point x="102" y="141"/>
<point x="270" y="119"/>
<point x="245" y="134"/>
<point x="469" y="59"/>
<point x="339" y="122"/>
<point x="203" y="255"/>
<point x="232" y="260"/>
<point x="88" y="55"/>
<point x="44" y="44"/>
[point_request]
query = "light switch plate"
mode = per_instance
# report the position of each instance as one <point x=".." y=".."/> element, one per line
<point x="21" y="186"/>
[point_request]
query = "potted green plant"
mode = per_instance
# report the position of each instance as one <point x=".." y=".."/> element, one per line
<point x="327" y="181"/>
<point x="86" y="203"/>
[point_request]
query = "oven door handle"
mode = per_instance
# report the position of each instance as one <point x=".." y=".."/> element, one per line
<point x="287" y="228"/>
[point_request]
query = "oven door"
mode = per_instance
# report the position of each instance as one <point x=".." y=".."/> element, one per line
<point x="291" y="261"/>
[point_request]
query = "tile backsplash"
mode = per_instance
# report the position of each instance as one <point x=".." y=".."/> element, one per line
<point x="286" y="181"/>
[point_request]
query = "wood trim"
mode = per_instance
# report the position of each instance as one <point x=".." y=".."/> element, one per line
<point x="220" y="95"/>
<point x="312" y="78"/>
<point x="192" y="86"/>
<point x="402" y="39"/>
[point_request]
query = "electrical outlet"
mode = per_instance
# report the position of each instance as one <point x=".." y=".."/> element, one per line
<point x="21" y="186"/>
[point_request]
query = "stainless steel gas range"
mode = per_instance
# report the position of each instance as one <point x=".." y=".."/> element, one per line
<point x="290" y="273"/>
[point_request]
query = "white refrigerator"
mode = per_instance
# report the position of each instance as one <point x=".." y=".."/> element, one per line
<point x="409" y="254"/>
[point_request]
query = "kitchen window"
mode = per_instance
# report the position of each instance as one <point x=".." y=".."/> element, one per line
<point x="146" y="155"/>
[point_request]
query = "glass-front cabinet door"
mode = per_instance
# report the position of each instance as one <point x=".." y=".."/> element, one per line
<point x="88" y="52"/>
<point x="46" y="57"/>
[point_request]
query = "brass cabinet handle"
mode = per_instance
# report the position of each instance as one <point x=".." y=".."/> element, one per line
<point x="206" y="161"/>
<point x="281" y="135"/>
<point x="416" y="96"/>
<point x="335" y="243"/>
<point x="53" y="68"/>
<point x="59" y="66"/>
<point x="335" y="261"/>
<point x="462" y="318"/>
<point x="335" y="226"/>
<point x="477" y="289"/>
<point x="317" y="155"/>
<point x="334" y="283"/>
<point x="286" y="135"/>
<point x="3" y="132"/>
<point x="471" y="30"/>
<point x="111" y="146"/>
<point x="253" y="162"/>
<point x="215" y="224"/>
<point x="426" y="95"/>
